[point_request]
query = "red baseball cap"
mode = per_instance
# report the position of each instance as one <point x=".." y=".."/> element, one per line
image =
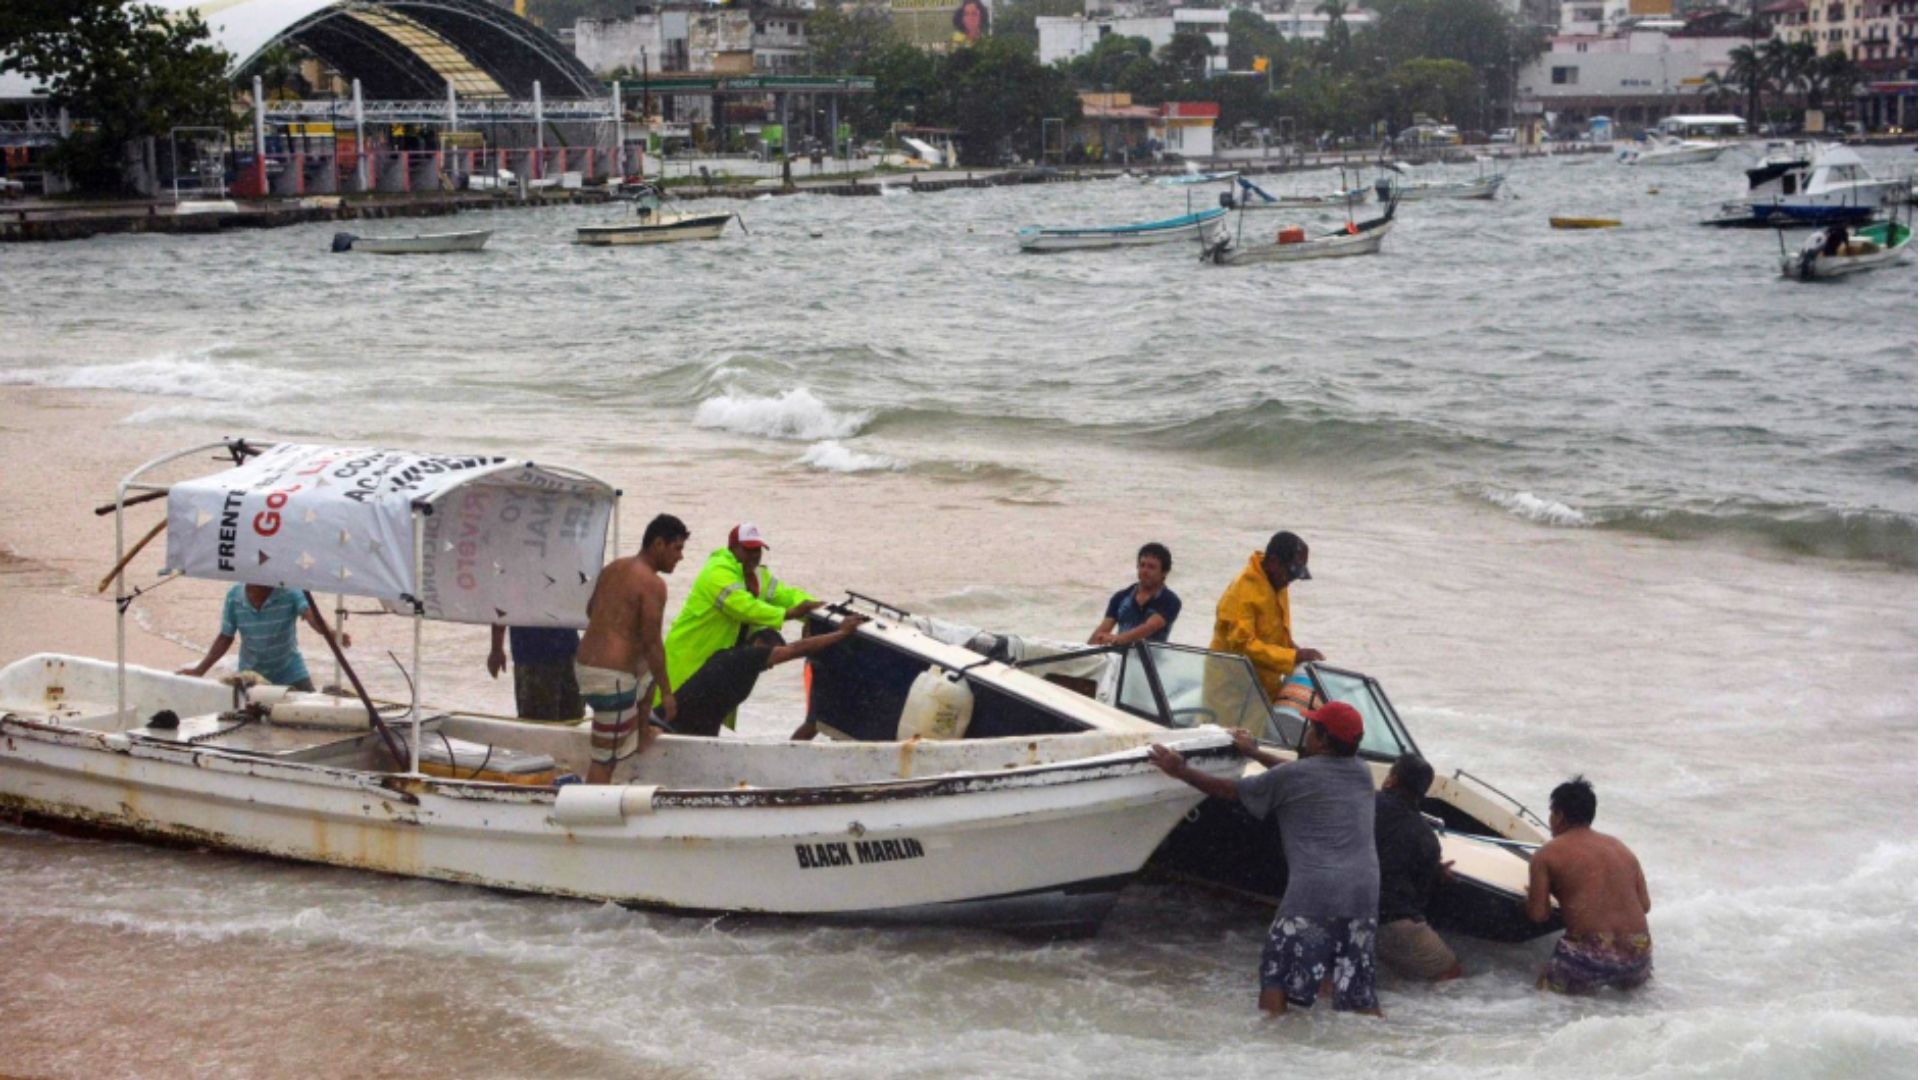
<point x="1341" y="720"/>
<point x="747" y="535"/>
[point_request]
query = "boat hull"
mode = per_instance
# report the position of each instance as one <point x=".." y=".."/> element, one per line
<point x="1043" y="241"/>
<point x="1692" y="155"/>
<point x="1030" y="848"/>
<point x="1335" y="247"/>
<point x="425" y="244"/>
<point x="692" y="227"/>
<point x="1483" y="188"/>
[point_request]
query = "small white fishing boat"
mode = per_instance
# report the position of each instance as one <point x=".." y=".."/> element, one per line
<point x="1190" y="178"/>
<point x="1399" y="187"/>
<point x="1203" y="224"/>
<point x="661" y="228"/>
<point x="1668" y="150"/>
<point x="1254" y="197"/>
<point x="651" y="225"/>
<point x="1837" y="251"/>
<point x="415" y="244"/>
<point x="1035" y="833"/>
<point x="1292" y="244"/>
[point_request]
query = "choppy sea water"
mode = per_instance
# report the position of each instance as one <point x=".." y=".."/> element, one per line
<point x="1621" y="502"/>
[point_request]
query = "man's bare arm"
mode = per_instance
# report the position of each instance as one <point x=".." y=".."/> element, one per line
<point x="807" y="646"/>
<point x="653" y="606"/>
<point x="1539" y="888"/>
<point x="1154" y="624"/>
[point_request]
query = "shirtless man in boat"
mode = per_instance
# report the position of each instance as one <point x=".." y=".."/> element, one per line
<point x="1602" y="894"/>
<point x="623" y="635"/>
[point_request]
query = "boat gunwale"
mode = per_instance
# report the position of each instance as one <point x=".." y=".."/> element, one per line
<point x="406" y="788"/>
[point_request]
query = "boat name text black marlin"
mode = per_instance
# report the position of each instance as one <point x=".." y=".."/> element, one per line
<point x="816" y="856"/>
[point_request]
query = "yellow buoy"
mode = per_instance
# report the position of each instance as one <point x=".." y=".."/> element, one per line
<point x="1583" y="222"/>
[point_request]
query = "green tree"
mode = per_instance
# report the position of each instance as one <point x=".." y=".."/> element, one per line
<point x="1747" y="70"/>
<point x="1250" y="35"/>
<point x="1438" y="88"/>
<point x="133" y="71"/>
<point x="844" y="41"/>
<point x="996" y="93"/>
<point x="1187" y="54"/>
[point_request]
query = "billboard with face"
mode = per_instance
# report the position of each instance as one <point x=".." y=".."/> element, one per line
<point x="940" y="23"/>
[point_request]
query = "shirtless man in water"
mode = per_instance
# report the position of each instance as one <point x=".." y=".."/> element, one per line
<point x="1602" y="894"/>
<point x="623" y="634"/>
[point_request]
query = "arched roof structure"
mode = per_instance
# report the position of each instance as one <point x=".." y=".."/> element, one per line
<point x="403" y="49"/>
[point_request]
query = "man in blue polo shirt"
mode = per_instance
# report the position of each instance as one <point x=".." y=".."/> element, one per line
<point x="265" y="620"/>
<point x="544" y="686"/>
<point x="1145" y="610"/>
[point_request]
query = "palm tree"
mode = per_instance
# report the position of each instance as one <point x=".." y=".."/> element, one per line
<point x="1715" y="88"/>
<point x="1748" y="71"/>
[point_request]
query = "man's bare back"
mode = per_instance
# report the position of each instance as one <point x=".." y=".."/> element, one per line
<point x="616" y="637"/>
<point x="1596" y="879"/>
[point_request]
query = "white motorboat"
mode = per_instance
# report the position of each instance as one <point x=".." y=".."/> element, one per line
<point x="663" y="228"/>
<point x="1486" y="834"/>
<point x="1292" y="244"/>
<point x="1202" y="226"/>
<point x="1667" y="150"/>
<point x="651" y="225"/>
<point x="415" y="243"/>
<point x="1837" y="251"/>
<point x="1030" y="834"/>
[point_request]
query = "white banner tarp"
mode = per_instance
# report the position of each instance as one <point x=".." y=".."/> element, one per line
<point x="514" y="544"/>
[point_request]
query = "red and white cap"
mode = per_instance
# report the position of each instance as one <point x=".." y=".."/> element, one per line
<point x="746" y="535"/>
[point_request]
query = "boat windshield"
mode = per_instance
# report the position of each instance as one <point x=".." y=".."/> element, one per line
<point x="1385" y="737"/>
<point x="1200" y="687"/>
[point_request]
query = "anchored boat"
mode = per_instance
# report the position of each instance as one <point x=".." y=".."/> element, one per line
<point x="1292" y="244"/>
<point x="1034" y="833"/>
<point x="651" y="225"/>
<point x="1837" y="251"/>
<point x="1202" y="225"/>
<point x="1668" y="150"/>
<point x="415" y="244"/>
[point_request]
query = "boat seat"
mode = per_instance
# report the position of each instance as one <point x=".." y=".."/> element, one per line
<point x="220" y="731"/>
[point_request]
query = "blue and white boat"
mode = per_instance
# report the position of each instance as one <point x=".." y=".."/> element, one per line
<point x="1829" y="186"/>
<point x="1198" y="226"/>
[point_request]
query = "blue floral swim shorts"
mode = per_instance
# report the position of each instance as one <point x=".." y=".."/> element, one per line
<point x="1302" y="952"/>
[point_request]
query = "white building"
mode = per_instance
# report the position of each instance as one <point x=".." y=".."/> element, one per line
<point x="1066" y="38"/>
<point x="1301" y="24"/>
<point x="1635" y="77"/>
<point x="733" y="41"/>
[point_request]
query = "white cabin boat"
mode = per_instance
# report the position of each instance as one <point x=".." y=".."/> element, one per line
<point x="1034" y="835"/>
<point x="1667" y="150"/>
<point x="1832" y="185"/>
<point x="1486" y="834"/>
<point x="415" y="243"/>
<point x="1480" y="187"/>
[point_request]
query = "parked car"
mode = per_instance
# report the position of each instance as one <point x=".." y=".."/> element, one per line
<point x="1504" y="135"/>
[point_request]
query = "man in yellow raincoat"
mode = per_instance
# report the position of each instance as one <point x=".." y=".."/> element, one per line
<point x="1254" y="619"/>
<point x="733" y="596"/>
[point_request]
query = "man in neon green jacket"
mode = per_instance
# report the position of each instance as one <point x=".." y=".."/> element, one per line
<point x="733" y="596"/>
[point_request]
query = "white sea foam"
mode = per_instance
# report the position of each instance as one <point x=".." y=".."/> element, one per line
<point x="834" y="456"/>
<point x="1534" y="508"/>
<point x="795" y="414"/>
<point x="198" y="373"/>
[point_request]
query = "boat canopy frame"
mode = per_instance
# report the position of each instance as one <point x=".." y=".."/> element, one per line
<point x="239" y="450"/>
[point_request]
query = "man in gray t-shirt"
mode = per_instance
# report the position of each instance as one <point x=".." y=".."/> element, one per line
<point x="1323" y="807"/>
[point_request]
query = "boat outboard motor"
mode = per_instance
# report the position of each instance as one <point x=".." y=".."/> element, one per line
<point x="343" y="241"/>
<point x="1383" y="187"/>
<point x="1226" y="199"/>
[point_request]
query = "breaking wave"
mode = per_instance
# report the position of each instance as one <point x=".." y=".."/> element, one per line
<point x="795" y="414"/>
<point x="205" y="373"/>
<point x="1534" y="508"/>
<point x="834" y="456"/>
